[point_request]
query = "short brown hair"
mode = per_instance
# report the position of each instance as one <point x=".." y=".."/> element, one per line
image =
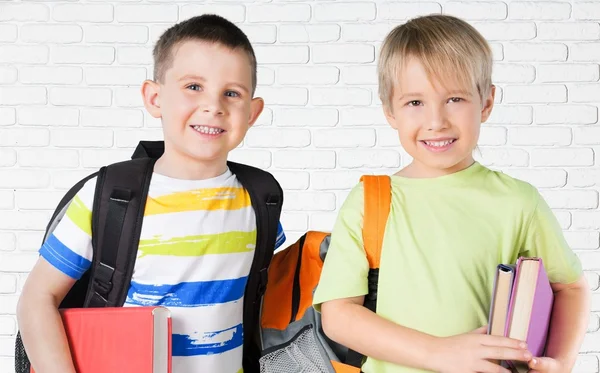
<point x="446" y="46"/>
<point x="210" y="28"/>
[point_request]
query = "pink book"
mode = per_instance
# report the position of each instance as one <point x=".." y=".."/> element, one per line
<point x="530" y="308"/>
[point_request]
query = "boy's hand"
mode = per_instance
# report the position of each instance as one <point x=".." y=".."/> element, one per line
<point x="472" y="352"/>
<point x="546" y="365"/>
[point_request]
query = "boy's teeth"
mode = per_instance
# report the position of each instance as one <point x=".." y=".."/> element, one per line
<point x="438" y="144"/>
<point x="208" y="130"/>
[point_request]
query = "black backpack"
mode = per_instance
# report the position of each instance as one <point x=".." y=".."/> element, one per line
<point x="119" y="201"/>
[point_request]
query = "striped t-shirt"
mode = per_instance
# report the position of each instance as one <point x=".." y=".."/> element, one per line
<point x="196" y="248"/>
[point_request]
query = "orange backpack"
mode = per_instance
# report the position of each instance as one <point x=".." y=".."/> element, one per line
<point x="291" y="335"/>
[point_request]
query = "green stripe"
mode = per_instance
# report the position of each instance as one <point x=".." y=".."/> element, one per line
<point x="80" y="215"/>
<point x="220" y="243"/>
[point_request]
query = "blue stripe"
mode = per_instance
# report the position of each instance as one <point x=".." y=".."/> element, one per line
<point x="187" y="294"/>
<point x="208" y="344"/>
<point x="64" y="259"/>
<point x="280" y="236"/>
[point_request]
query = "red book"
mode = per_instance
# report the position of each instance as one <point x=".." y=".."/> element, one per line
<point x="119" y="339"/>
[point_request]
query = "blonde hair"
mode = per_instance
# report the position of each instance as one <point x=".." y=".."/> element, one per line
<point x="448" y="47"/>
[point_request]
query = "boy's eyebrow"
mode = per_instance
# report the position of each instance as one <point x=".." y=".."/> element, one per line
<point x="202" y="79"/>
<point x="460" y="92"/>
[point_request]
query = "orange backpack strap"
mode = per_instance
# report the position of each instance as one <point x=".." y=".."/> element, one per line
<point x="378" y="197"/>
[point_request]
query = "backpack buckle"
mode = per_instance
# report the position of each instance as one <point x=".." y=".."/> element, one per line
<point x="103" y="279"/>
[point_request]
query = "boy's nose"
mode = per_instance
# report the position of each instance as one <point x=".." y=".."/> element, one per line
<point x="437" y="121"/>
<point x="212" y="106"/>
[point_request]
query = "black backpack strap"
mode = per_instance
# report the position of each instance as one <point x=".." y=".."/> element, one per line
<point x="119" y="202"/>
<point x="267" y="200"/>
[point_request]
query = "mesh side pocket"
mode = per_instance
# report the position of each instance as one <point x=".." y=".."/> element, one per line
<point x="300" y="355"/>
<point x="21" y="360"/>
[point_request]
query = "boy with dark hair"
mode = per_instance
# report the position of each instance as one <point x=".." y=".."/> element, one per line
<point x="199" y="232"/>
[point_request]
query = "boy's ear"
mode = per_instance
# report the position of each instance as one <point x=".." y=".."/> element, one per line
<point x="389" y="116"/>
<point x="488" y="104"/>
<point x="256" y="107"/>
<point x="151" y="97"/>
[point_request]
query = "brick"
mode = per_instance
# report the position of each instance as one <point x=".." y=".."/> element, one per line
<point x="344" y="138"/>
<point x="362" y="32"/>
<point x="571" y="199"/>
<point x="590" y="260"/>
<point x="27" y="54"/>
<point x="568" y="73"/>
<point x="8" y="306"/>
<point x="347" y="53"/>
<point x="497" y="51"/>
<point x="562" y="157"/>
<point x="294" y="221"/>
<point x="260" y="34"/>
<point x="8" y="285"/>
<point x="535" y="52"/>
<point x="130" y="139"/>
<point x="540" y="178"/>
<point x="540" y="136"/>
<point x="477" y="10"/>
<point x="304" y="159"/>
<point x="586" y="10"/>
<point x="364" y="116"/>
<point x="116" y="34"/>
<point x="48" y="116"/>
<point x="308" y="75"/>
<point x="80" y="96"/>
<point x="401" y="11"/>
<point x="278" y="13"/>
<point x="66" y="179"/>
<point x="368" y="159"/>
<point x="492" y="136"/>
<point x="588" y="220"/>
<point x="8" y="157"/>
<point x="506" y="30"/>
<point x="112" y="118"/>
<point x="593" y="280"/>
<point x="540" y="10"/>
<point x="292" y="180"/>
<point x="307" y="201"/>
<point x="283" y="96"/>
<point x="20" y="95"/>
<point x="334" y="180"/>
<point x="583" y="240"/>
<point x="233" y="12"/>
<point x="38" y="200"/>
<point x="586" y="364"/>
<point x="584" y="93"/>
<point x="7" y="200"/>
<point x="265" y="76"/>
<point x="21" y="220"/>
<point x="134" y="55"/>
<point x="340" y="96"/>
<point x="24" y="137"/>
<point x="128" y="97"/>
<point x="8" y="33"/>
<point x="76" y="54"/>
<point x="93" y="158"/>
<point x="585" y="52"/>
<point x="252" y="157"/>
<point x="277" y="138"/>
<point x="282" y="54"/>
<point x="265" y="118"/>
<point x="312" y="117"/>
<point x="8" y="116"/>
<point x="308" y="33"/>
<point x="340" y="11"/>
<point x="88" y="138"/>
<point x="535" y="93"/>
<point x="50" y="158"/>
<point x="8" y="325"/>
<point x="146" y="13"/>
<point x="566" y="114"/>
<point x="387" y="137"/>
<point x="63" y="34"/>
<point x="8" y="74"/>
<point x="513" y="73"/>
<point x="17" y="262"/>
<point x="50" y="75"/>
<point x="7" y="242"/>
<point x="509" y="114"/>
<point x="24" y="179"/>
<point x="569" y="31"/>
<point x="115" y="75"/>
<point x="24" y="12"/>
<point x="584" y="177"/>
<point x="360" y="75"/>
<point x="587" y="135"/>
<point x="504" y="157"/>
<point x="83" y="13"/>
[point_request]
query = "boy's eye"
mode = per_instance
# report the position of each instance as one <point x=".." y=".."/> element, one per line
<point x="194" y="87"/>
<point x="414" y="103"/>
<point x="455" y="99"/>
<point x="232" y="94"/>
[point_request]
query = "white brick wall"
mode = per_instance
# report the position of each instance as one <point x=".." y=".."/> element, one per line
<point x="69" y="103"/>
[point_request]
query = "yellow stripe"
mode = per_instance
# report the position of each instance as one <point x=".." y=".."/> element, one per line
<point x="201" y="199"/>
<point x="220" y="243"/>
<point x="80" y="215"/>
<point x="241" y="370"/>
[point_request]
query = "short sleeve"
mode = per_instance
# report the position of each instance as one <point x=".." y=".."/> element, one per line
<point x="544" y="239"/>
<point x="345" y="270"/>
<point x="69" y="246"/>
<point x="280" y="239"/>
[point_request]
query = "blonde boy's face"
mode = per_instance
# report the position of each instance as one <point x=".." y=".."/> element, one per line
<point x="438" y="125"/>
<point x="205" y="101"/>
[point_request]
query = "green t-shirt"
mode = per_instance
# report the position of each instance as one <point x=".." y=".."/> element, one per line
<point x="443" y="240"/>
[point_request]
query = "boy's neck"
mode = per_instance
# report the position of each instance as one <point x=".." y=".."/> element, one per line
<point x="418" y="170"/>
<point x="187" y="168"/>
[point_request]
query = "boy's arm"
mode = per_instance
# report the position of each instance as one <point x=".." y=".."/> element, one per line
<point x="569" y="322"/>
<point x="39" y="321"/>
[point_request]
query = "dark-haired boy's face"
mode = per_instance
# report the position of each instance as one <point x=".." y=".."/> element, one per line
<point x="205" y="101"/>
